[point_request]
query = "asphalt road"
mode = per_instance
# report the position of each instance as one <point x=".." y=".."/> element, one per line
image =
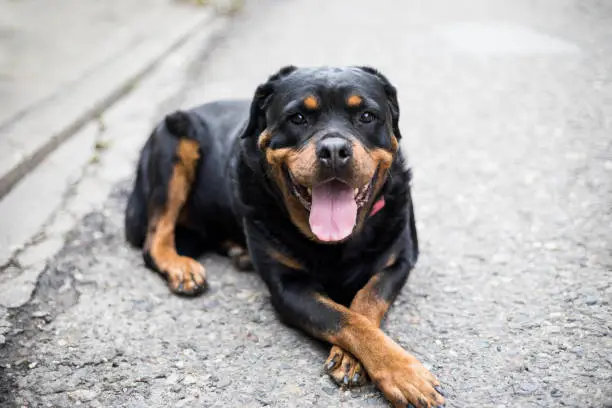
<point x="507" y="121"/>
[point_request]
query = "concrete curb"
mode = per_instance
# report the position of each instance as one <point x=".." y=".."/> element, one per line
<point x="71" y="184"/>
<point x="52" y="123"/>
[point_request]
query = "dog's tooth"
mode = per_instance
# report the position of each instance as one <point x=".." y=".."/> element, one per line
<point x="309" y="190"/>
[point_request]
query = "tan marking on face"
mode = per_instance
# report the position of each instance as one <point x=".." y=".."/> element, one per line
<point x="263" y="141"/>
<point x="364" y="165"/>
<point x="300" y="163"/>
<point x="394" y="144"/>
<point x="383" y="158"/>
<point x="391" y="261"/>
<point x="370" y="163"/>
<point x="311" y="102"/>
<point x="354" y="101"/>
<point x="285" y="260"/>
<point x="303" y="164"/>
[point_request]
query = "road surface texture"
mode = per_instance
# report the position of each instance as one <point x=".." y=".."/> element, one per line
<point x="507" y="121"/>
<point x="62" y="64"/>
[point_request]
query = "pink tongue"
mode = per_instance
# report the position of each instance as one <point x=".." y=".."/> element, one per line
<point x="333" y="211"/>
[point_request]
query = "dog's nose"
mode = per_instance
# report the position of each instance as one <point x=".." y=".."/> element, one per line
<point x="334" y="152"/>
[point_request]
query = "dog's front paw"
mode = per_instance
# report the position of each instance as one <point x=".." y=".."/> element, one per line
<point x="344" y="369"/>
<point x="185" y="276"/>
<point x="405" y="381"/>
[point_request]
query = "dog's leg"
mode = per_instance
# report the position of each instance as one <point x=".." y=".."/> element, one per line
<point x="372" y="302"/>
<point x="398" y="374"/>
<point x="185" y="275"/>
<point x="135" y="221"/>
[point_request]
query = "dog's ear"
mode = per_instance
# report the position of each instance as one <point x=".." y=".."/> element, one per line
<point x="391" y="96"/>
<point x="257" y="116"/>
<point x="257" y="122"/>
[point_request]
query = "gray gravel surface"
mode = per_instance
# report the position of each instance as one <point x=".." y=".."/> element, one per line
<point x="511" y="145"/>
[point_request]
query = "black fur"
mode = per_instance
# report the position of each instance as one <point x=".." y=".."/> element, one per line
<point x="233" y="197"/>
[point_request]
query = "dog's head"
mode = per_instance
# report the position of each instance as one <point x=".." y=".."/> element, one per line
<point x="326" y="138"/>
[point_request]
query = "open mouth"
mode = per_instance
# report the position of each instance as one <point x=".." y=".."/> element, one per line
<point x="333" y="206"/>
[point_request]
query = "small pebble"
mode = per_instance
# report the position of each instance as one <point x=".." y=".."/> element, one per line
<point x="224" y="383"/>
<point x="329" y="390"/>
<point x="189" y="379"/>
<point x="526" y="388"/>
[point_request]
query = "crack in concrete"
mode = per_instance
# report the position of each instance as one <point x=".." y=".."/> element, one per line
<point x="67" y="195"/>
<point x="57" y="286"/>
<point x="193" y="73"/>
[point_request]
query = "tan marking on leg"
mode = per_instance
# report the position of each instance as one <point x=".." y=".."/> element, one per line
<point x="285" y="260"/>
<point x="397" y="373"/>
<point x="185" y="275"/>
<point x="369" y="305"/>
<point x="344" y="368"/>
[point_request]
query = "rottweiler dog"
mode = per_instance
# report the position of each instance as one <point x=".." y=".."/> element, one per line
<point x="307" y="184"/>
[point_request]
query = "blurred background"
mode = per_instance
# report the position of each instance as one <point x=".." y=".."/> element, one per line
<point x="506" y="114"/>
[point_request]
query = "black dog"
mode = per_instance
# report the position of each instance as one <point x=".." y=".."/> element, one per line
<point x="311" y="180"/>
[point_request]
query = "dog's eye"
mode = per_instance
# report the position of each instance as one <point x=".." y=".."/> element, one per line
<point x="367" y="117"/>
<point x="297" y="119"/>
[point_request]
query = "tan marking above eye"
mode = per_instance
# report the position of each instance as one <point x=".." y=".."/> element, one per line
<point x="354" y="101"/>
<point x="311" y="102"/>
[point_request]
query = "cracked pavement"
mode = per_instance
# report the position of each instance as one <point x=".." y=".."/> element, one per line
<point x="506" y="116"/>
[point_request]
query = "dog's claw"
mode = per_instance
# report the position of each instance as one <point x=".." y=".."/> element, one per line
<point x="410" y="406"/>
<point x="332" y="363"/>
<point x="345" y="380"/>
<point x="356" y="378"/>
<point x="439" y="390"/>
